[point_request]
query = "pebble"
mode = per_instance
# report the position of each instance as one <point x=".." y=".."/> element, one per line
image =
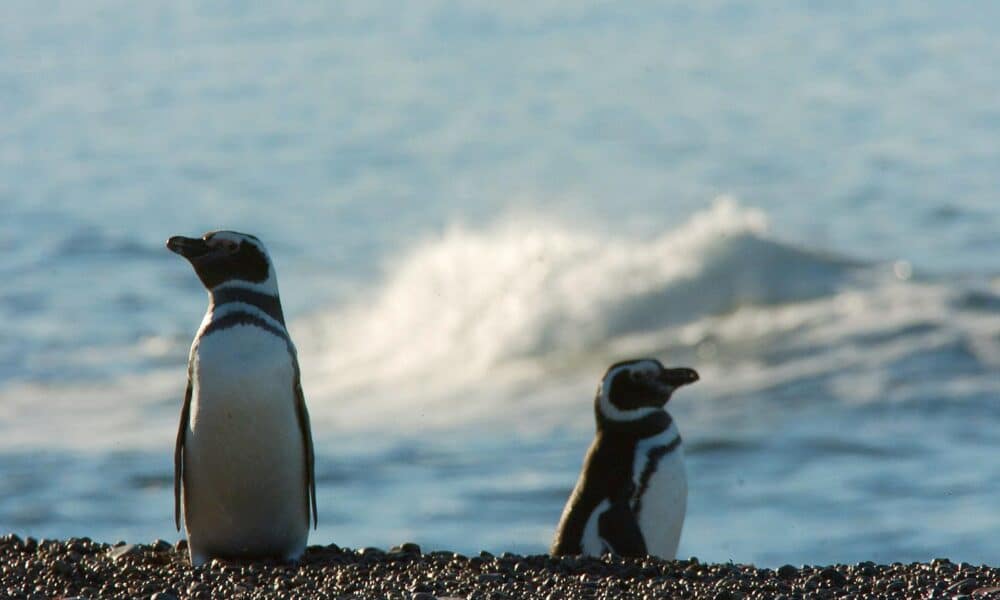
<point x="787" y="572"/>
<point x="407" y="548"/>
<point x="122" y="549"/>
<point x="834" y="576"/>
<point x="62" y="568"/>
<point x="964" y="586"/>
<point x="80" y="568"/>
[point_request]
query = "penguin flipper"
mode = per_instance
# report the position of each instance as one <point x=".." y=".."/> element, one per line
<point x="179" y="453"/>
<point x="306" y="429"/>
<point x="619" y="529"/>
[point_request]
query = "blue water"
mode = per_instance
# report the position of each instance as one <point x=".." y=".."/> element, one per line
<point x="473" y="210"/>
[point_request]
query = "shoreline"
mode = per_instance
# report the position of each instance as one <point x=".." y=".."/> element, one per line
<point x="81" y="568"/>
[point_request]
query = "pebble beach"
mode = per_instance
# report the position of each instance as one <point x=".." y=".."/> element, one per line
<point x="81" y="568"/>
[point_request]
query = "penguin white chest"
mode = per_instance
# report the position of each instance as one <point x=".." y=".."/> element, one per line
<point x="245" y="465"/>
<point x="244" y="387"/>
<point x="660" y="492"/>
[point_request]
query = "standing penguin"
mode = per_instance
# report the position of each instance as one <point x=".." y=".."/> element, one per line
<point x="243" y="464"/>
<point x="632" y="493"/>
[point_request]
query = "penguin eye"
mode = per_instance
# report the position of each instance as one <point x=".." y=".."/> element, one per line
<point x="229" y="246"/>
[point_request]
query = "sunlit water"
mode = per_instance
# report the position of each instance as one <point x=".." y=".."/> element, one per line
<point x="473" y="211"/>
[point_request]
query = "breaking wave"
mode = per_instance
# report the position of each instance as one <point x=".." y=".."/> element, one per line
<point x="468" y="321"/>
<point x="519" y="319"/>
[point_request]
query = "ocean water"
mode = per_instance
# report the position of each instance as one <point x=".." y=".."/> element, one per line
<point x="474" y="209"/>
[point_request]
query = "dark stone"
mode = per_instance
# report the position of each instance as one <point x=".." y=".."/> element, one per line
<point x="965" y="586"/>
<point x="835" y="577"/>
<point x="788" y="572"/>
<point x="62" y="568"/>
<point x="813" y="582"/>
<point x="406" y="548"/>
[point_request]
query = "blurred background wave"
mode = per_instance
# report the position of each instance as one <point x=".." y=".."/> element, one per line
<point x="474" y="208"/>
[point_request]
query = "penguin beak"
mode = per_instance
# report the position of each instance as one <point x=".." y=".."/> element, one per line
<point x="675" y="378"/>
<point x="189" y="248"/>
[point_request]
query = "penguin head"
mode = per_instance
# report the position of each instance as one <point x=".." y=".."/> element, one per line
<point x="220" y="257"/>
<point x="633" y="389"/>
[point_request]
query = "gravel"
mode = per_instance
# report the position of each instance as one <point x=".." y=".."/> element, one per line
<point x="81" y="568"/>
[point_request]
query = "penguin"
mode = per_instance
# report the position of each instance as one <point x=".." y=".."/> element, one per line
<point x="244" y="472"/>
<point x="631" y="496"/>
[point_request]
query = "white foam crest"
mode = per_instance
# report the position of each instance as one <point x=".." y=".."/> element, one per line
<point x="473" y="307"/>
